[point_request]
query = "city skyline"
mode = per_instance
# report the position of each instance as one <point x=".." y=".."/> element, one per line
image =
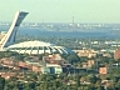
<point x="84" y="11"/>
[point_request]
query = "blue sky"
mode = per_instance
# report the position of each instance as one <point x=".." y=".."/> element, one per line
<point x="84" y="11"/>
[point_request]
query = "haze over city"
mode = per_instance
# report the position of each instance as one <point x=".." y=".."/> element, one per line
<point x="61" y="45"/>
<point x="90" y="11"/>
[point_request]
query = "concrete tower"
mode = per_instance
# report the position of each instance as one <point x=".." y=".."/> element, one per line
<point x="10" y="37"/>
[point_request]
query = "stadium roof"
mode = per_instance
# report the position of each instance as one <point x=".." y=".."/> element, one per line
<point x="38" y="47"/>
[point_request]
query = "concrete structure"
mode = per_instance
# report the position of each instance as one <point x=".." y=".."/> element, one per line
<point x="38" y="47"/>
<point x="10" y="37"/>
<point x="27" y="47"/>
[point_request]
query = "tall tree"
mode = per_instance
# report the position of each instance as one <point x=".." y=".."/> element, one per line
<point x="2" y="83"/>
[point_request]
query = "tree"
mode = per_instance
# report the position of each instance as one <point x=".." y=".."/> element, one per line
<point x="32" y="85"/>
<point x="73" y="58"/>
<point x="2" y="83"/>
<point x="93" y="79"/>
<point x="20" y="86"/>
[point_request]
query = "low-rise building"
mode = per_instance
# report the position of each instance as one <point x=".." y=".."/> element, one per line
<point x="103" y="70"/>
<point x="87" y="53"/>
<point x="55" y="69"/>
<point x="45" y="70"/>
<point x="117" y="54"/>
<point x="36" y="68"/>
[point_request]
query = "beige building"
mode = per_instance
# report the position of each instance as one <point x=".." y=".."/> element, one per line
<point x="86" y="53"/>
<point x="117" y="54"/>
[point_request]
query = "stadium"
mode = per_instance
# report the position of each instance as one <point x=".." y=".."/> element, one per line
<point x="28" y="47"/>
<point x="38" y="47"/>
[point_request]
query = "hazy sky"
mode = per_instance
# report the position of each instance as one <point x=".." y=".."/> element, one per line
<point x="101" y="11"/>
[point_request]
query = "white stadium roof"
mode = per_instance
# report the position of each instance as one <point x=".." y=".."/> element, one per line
<point x="30" y="44"/>
<point x="37" y="47"/>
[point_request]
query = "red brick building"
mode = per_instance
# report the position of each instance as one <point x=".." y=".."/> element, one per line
<point x="103" y="70"/>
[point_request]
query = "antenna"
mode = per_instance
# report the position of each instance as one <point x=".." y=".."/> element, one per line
<point x="73" y="24"/>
